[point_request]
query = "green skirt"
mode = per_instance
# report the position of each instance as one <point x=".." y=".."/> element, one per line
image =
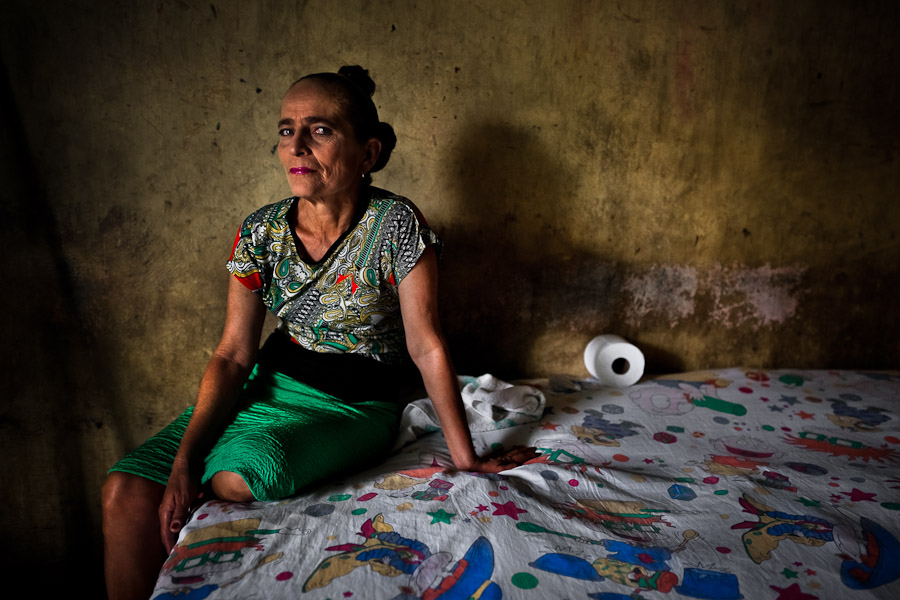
<point x="285" y="435"/>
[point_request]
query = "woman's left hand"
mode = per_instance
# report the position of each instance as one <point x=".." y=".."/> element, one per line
<point x="504" y="461"/>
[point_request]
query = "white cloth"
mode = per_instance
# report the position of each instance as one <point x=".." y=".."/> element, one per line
<point x="490" y="404"/>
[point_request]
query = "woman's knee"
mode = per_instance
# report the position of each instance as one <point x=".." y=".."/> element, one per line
<point x="230" y="486"/>
<point x="127" y="494"/>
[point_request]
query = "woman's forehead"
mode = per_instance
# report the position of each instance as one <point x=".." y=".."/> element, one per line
<point x="305" y="96"/>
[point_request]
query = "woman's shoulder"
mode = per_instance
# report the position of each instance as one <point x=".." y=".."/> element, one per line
<point x="395" y="206"/>
<point x="270" y="212"/>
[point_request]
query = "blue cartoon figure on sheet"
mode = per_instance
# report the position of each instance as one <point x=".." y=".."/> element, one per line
<point x="848" y="414"/>
<point x="389" y="554"/>
<point x="618" y="571"/>
<point x="871" y="554"/>
<point x="642" y="568"/>
<point x="597" y="429"/>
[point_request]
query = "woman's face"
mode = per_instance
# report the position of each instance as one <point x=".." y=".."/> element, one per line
<point x="317" y="146"/>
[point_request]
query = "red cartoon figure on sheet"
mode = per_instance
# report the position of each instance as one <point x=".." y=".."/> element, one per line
<point x="390" y="554"/>
<point x="401" y="482"/>
<point x="233" y="545"/>
<point x="745" y="455"/>
<point x="628" y="520"/>
<point x="838" y="446"/>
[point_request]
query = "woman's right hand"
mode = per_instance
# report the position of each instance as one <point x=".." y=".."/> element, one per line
<point x="181" y="492"/>
<point x="505" y="460"/>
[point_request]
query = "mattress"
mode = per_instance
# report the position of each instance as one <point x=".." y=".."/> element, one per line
<point x="725" y="484"/>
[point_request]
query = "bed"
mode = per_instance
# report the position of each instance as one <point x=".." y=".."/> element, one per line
<point x="722" y="485"/>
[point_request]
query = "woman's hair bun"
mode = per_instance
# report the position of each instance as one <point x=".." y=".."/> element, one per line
<point x="360" y="77"/>
<point x="385" y="134"/>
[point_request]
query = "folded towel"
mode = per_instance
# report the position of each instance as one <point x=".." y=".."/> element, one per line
<point x="490" y="404"/>
<point x="494" y="404"/>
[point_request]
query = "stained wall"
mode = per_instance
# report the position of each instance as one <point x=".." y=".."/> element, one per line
<point x="715" y="181"/>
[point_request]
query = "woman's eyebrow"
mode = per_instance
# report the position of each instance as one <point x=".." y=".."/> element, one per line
<point x="315" y="119"/>
<point x="307" y="120"/>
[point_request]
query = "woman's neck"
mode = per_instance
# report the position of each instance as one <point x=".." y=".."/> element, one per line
<point x="318" y="224"/>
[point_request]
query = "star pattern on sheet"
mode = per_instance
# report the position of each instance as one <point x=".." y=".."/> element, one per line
<point x="441" y="516"/>
<point x="793" y="592"/>
<point x="508" y="509"/>
<point x="858" y="496"/>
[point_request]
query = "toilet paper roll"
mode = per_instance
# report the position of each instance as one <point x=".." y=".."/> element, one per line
<point x="613" y="361"/>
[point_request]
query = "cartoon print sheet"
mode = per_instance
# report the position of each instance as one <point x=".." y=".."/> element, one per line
<point x="717" y="485"/>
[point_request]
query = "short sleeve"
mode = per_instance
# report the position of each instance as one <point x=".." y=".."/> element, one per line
<point x="411" y="236"/>
<point x="243" y="262"/>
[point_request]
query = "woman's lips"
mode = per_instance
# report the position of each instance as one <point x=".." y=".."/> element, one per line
<point x="300" y="170"/>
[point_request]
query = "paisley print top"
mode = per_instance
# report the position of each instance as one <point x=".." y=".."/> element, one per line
<point x="347" y="301"/>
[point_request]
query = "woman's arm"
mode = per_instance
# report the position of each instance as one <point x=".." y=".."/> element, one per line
<point x="428" y="349"/>
<point x="222" y="381"/>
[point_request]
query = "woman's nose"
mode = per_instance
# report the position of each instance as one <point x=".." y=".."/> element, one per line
<point x="299" y="145"/>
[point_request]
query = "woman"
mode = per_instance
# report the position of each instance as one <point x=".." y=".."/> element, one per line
<point x="351" y="270"/>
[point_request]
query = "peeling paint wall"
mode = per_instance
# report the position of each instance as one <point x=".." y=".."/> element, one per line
<point x="744" y="299"/>
<point x="715" y="181"/>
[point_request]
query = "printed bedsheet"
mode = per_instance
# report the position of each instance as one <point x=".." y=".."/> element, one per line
<point x="717" y="485"/>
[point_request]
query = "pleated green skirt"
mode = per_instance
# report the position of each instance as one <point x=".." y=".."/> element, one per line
<point x="284" y="436"/>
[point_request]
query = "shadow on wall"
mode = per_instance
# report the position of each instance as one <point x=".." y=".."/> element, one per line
<point x="55" y="387"/>
<point x="511" y="280"/>
<point x="822" y="187"/>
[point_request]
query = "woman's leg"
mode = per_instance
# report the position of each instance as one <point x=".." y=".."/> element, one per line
<point x="133" y="548"/>
<point x="230" y="486"/>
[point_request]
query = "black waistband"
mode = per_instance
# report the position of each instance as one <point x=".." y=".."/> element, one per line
<point x="350" y="377"/>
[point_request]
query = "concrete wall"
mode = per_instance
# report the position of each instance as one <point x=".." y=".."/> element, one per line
<point x="716" y="181"/>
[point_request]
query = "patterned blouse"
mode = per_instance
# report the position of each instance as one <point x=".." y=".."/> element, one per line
<point x="347" y="301"/>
